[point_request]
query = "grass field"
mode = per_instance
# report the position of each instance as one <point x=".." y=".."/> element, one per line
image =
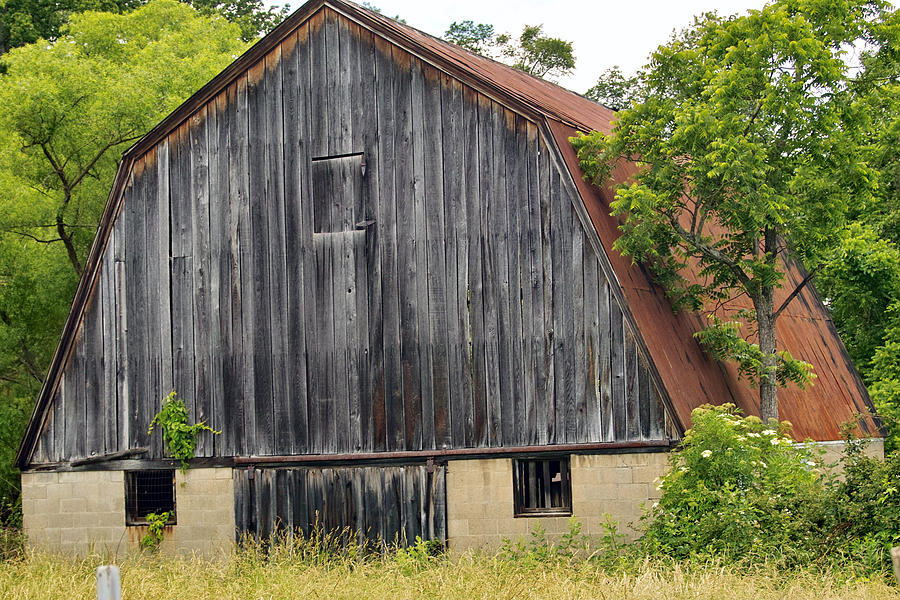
<point x="43" y="577"/>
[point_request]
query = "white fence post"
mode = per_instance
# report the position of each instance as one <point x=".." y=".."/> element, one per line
<point x="109" y="586"/>
<point x="895" y="557"/>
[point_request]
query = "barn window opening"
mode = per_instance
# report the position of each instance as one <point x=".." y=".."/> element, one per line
<point x="542" y="487"/>
<point x="149" y="492"/>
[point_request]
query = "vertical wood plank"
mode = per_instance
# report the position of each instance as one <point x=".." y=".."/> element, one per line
<point x="533" y="297"/>
<point x="108" y="300"/>
<point x="156" y="303"/>
<point x="421" y="300"/>
<point x="566" y="355"/>
<point x="123" y="423"/>
<point x="439" y="276"/>
<point x="365" y="120"/>
<point x="519" y="275"/>
<point x="260" y="286"/>
<point x="618" y="359"/>
<point x="310" y="142"/>
<point x="547" y="416"/>
<point x="394" y="429"/>
<point x="202" y="317"/>
<point x="245" y="299"/>
<point x="404" y="191"/>
<point x="580" y="355"/>
<point x="644" y="396"/>
<point x="295" y="196"/>
<point x="282" y="412"/>
<point x="454" y="218"/>
<point x="490" y="274"/>
<point x="317" y="87"/>
<point x="558" y="234"/>
<point x="591" y="354"/>
<point x="632" y="400"/>
<point x="476" y="428"/>
<point x="219" y="284"/>
<point x="161" y="254"/>
<point x="136" y="308"/>
<point x="607" y="429"/>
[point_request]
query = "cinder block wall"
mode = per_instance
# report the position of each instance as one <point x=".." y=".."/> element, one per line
<point x="480" y="497"/>
<point x="833" y="451"/>
<point x="84" y="511"/>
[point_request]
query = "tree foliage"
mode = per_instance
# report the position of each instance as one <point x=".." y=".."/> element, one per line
<point x="749" y="143"/>
<point x="26" y="21"/>
<point x="479" y="38"/>
<point x="68" y="109"/>
<point x="533" y="52"/>
<point x="615" y="90"/>
<point x="252" y="16"/>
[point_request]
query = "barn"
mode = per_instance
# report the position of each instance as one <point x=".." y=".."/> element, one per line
<point x="369" y="259"/>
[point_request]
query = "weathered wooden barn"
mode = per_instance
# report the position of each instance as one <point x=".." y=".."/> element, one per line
<point x="369" y="258"/>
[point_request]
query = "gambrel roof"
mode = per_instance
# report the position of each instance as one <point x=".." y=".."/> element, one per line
<point x="688" y="376"/>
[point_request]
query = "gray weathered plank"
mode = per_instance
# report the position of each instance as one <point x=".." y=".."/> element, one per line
<point x="438" y="275"/>
<point x="394" y="430"/>
<point x="473" y="325"/>
<point x="203" y="319"/>
<point x="258" y="291"/>
<point x="277" y="255"/>
<point x="295" y="196"/>
<point x="489" y="274"/>
<point x="420" y="255"/>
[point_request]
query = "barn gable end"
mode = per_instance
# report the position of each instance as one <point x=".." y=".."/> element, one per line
<point x="347" y="250"/>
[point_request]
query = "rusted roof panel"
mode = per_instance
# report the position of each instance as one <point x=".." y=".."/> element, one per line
<point x="805" y="329"/>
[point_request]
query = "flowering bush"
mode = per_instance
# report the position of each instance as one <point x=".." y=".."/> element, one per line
<point x="738" y="488"/>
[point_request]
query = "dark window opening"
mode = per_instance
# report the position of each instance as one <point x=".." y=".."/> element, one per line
<point x="542" y="487"/>
<point x="149" y="492"/>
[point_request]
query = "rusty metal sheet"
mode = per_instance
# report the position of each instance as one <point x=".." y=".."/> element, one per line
<point x="805" y="329"/>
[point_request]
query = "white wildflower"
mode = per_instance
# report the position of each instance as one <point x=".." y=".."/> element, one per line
<point x="752" y="434"/>
<point x="775" y="441"/>
<point x="769" y="432"/>
<point x="706" y="453"/>
<point x="811" y="463"/>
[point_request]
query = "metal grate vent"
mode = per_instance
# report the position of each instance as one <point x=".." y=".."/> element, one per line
<point x="149" y="492"/>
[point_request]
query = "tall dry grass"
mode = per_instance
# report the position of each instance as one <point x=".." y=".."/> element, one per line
<point x="250" y="576"/>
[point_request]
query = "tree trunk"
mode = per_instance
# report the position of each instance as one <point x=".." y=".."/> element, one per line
<point x="768" y="382"/>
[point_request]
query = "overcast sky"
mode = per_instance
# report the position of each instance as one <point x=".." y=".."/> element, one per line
<point x="604" y="33"/>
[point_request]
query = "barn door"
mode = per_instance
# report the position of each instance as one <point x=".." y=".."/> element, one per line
<point x="378" y="503"/>
<point x="340" y="226"/>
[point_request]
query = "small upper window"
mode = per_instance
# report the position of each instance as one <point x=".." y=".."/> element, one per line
<point x="542" y="487"/>
<point x="149" y="492"/>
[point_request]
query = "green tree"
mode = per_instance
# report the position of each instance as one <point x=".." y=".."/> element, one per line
<point x="68" y="109"/>
<point x="251" y="16"/>
<point x="479" y="38"/>
<point x="540" y="55"/>
<point x="749" y="144"/>
<point x="532" y="52"/>
<point x="25" y="21"/>
<point x="615" y="90"/>
<point x="862" y="283"/>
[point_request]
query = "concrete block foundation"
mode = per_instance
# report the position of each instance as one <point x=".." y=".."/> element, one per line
<point x="480" y="510"/>
<point x="84" y="511"/>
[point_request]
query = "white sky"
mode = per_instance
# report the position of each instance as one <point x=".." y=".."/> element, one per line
<point x="603" y="32"/>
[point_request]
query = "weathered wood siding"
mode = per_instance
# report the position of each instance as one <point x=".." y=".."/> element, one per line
<point x="348" y="250"/>
<point x="389" y="504"/>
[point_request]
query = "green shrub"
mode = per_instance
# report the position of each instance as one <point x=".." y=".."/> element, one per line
<point x="738" y="489"/>
<point x="865" y="509"/>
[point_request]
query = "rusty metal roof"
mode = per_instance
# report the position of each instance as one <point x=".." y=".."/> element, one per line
<point x="690" y="377"/>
